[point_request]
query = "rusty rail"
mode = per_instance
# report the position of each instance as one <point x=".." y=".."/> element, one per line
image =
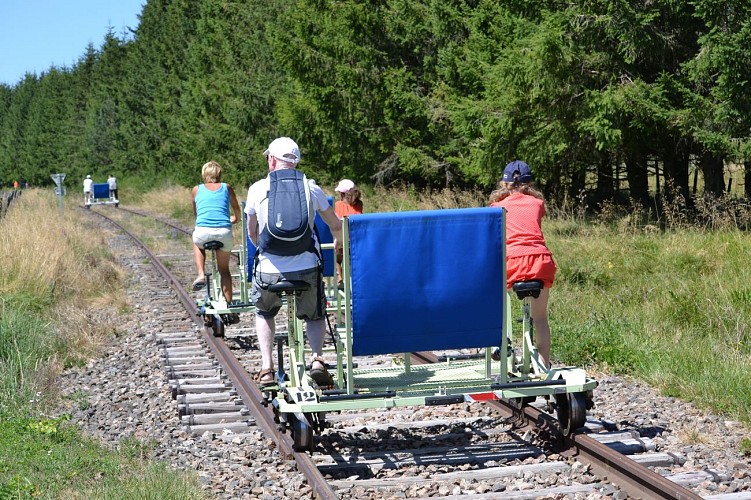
<point x="633" y="478"/>
<point x="243" y="382"/>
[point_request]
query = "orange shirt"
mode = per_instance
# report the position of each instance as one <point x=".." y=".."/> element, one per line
<point x="524" y="215"/>
<point x="342" y="208"/>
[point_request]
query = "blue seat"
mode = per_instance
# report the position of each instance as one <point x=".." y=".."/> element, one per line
<point x="427" y="280"/>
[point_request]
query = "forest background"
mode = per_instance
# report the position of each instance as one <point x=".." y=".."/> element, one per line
<point x="616" y="100"/>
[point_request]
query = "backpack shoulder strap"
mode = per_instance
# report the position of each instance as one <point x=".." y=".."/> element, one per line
<point x="309" y="199"/>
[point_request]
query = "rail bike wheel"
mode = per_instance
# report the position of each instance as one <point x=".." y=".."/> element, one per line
<point x="572" y="411"/>
<point x="302" y="434"/>
<point x="217" y="326"/>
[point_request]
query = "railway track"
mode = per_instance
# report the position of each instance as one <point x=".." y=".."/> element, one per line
<point x="484" y="450"/>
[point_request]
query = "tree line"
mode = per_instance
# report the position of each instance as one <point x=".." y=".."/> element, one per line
<point x="596" y="95"/>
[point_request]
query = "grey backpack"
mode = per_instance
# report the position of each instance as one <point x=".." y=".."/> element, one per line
<point x="289" y="225"/>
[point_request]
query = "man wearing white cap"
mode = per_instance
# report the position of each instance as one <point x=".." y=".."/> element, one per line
<point x="87" y="186"/>
<point x="283" y="153"/>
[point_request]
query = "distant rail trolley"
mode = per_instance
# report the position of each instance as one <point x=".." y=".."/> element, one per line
<point x="100" y="195"/>
<point x="429" y="280"/>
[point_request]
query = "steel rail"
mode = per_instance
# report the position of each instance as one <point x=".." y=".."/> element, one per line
<point x="635" y="479"/>
<point x="151" y="216"/>
<point x="242" y="381"/>
<point x="184" y="230"/>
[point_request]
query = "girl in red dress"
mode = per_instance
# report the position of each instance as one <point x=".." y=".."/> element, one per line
<point x="527" y="255"/>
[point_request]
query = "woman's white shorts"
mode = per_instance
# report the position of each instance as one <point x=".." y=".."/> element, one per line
<point x="202" y="235"/>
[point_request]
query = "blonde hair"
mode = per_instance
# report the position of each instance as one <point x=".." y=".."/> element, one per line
<point x="211" y="172"/>
<point x="504" y="189"/>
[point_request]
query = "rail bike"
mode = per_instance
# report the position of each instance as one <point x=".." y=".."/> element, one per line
<point x="100" y="195"/>
<point x="213" y="306"/>
<point x="413" y="282"/>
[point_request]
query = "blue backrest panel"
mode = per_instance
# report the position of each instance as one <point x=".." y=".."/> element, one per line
<point x="101" y="190"/>
<point x="427" y="280"/>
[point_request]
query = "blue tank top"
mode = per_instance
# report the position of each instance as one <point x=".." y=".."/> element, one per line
<point x="212" y="207"/>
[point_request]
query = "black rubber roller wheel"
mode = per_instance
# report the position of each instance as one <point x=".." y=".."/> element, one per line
<point x="217" y="326"/>
<point x="302" y="434"/>
<point x="572" y="411"/>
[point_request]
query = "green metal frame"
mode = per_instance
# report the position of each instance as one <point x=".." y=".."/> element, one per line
<point x="447" y="382"/>
<point x="214" y="303"/>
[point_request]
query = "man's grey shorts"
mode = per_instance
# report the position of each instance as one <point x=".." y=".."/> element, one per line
<point x="309" y="303"/>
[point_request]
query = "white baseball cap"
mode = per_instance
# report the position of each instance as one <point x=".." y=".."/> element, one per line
<point x="285" y="149"/>
<point x="344" y="186"/>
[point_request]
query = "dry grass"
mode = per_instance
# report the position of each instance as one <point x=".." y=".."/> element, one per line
<point x="175" y="201"/>
<point x="45" y="258"/>
<point x="58" y="267"/>
<point x="692" y="436"/>
<point x="171" y="201"/>
<point x="398" y="199"/>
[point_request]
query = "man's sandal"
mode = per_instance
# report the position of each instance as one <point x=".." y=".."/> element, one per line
<point x="265" y="377"/>
<point x="320" y="376"/>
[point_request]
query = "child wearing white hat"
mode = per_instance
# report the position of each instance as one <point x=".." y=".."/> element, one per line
<point x="349" y="203"/>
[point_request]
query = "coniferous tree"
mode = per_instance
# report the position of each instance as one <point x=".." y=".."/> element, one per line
<point x="433" y="93"/>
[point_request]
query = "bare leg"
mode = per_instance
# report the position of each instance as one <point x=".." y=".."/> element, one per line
<point x="539" y="312"/>
<point x="338" y="273"/>
<point x="200" y="257"/>
<point x="265" y="330"/>
<point x="319" y="373"/>
<point x="222" y="262"/>
<point x="315" y="330"/>
<point x="339" y="258"/>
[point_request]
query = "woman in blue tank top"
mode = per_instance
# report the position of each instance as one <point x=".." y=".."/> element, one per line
<point x="211" y="205"/>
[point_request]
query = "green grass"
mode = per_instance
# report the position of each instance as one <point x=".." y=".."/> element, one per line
<point x="44" y="328"/>
<point x="44" y="458"/>
<point x="670" y="308"/>
<point x="23" y="344"/>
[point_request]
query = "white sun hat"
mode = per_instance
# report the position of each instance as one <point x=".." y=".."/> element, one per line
<point x="344" y="186"/>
